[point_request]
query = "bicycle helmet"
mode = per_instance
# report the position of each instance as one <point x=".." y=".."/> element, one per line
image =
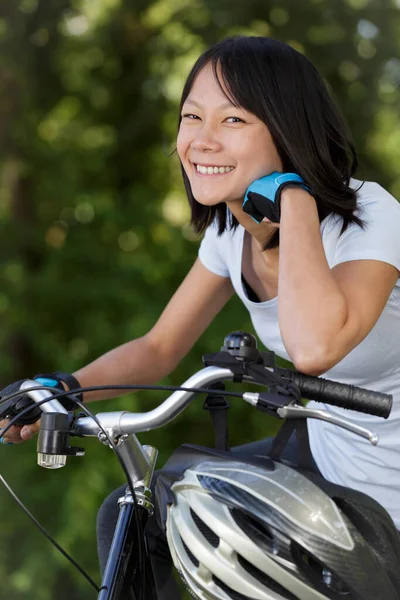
<point x="241" y="532"/>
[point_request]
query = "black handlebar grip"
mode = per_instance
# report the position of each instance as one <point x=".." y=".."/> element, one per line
<point x="340" y="394"/>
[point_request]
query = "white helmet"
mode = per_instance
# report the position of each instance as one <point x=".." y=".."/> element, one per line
<point x="241" y="532"/>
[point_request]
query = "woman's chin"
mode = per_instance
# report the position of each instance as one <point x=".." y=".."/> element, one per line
<point x="229" y="200"/>
<point x="207" y="201"/>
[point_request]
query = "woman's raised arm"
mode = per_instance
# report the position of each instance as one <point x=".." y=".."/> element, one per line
<point x="147" y="359"/>
<point x="323" y="313"/>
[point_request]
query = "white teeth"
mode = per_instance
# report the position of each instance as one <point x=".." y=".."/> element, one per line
<point x="212" y="170"/>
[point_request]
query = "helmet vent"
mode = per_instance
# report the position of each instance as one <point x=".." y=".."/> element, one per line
<point x="190" y="555"/>
<point x="258" y="532"/>
<point x="245" y="522"/>
<point x="265" y="580"/>
<point x="229" y="591"/>
<point x="319" y="575"/>
<point x="210" y="536"/>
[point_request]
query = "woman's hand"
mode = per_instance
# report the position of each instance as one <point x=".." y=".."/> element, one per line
<point x="263" y="197"/>
<point x="17" y="434"/>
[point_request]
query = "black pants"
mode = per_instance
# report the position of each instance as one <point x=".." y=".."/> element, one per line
<point x="157" y="543"/>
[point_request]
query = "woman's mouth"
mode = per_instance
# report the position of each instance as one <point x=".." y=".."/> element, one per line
<point x="212" y="169"/>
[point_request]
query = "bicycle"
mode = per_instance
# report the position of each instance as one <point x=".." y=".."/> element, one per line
<point x="128" y="574"/>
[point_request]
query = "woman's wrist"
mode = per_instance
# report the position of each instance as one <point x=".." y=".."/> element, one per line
<point x="295" y="193"/>
<point x="297" y="199"/>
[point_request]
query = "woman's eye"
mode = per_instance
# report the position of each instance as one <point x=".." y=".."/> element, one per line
<point x="234" y="120"/>
<point x="189" y="116"/>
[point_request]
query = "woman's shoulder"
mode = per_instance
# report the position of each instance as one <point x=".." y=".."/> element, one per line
<point x="218" y="251"/>
<point x="230" y="235"/>
<point x="372" y="196"/>
<point x="375" y="205"/>
<point x="378" y="237"/>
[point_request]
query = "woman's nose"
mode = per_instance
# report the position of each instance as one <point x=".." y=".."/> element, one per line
<point x="206" y="140"/>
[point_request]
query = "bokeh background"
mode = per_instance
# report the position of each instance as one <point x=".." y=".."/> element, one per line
<point x="94" y="221"/>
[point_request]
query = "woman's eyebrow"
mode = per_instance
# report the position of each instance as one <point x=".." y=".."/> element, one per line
<point x="220" y="107"/>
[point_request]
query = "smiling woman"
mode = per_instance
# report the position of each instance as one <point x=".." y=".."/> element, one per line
<point x="325" y="291"/>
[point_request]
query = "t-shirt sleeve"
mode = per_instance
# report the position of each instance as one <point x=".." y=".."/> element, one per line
<point x="380" y="237"/>
<point x="210" y="252"/>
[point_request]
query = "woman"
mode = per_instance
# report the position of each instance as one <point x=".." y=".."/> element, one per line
<point x="252" y="107"/>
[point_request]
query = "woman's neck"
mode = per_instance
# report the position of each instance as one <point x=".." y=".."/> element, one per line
<point x="260" y="232"/>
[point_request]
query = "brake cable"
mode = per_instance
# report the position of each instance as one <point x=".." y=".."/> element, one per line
<point x="48" y="536"/>
<point x="95" y="388"/>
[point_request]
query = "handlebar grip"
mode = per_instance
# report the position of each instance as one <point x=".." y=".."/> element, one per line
<point x="342" y="395"/>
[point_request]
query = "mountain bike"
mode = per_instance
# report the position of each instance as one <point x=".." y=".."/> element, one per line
<point x="128" y="574"/>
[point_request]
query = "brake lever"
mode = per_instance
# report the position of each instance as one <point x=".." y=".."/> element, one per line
<point x="294" y="411"/>
<point x="282" y="406"/>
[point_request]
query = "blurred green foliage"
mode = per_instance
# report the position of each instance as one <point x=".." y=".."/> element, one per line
<point x="94" y="221"/>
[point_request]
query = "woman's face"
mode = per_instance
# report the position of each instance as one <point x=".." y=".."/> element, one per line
<point x="222" y="148"/>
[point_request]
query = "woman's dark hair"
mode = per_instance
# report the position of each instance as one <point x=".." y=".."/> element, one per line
<point x="284" y="90"/>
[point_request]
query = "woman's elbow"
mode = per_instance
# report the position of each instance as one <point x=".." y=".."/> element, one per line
<point x="315" y="363"/>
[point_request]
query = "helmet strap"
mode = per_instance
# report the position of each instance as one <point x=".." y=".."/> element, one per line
<point x="218" y="406"/>
<point x="305" y="458"/>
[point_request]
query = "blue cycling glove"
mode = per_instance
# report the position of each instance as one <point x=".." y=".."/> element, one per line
<point x="263" y="196"/>
<point x="56" y="380"/>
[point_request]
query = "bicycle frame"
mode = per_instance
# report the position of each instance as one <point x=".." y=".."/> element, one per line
<point x="124" y="577"/>
<point x="122" y="560"/>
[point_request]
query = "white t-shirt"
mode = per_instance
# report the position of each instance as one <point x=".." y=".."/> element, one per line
<point x="341" y="456"/>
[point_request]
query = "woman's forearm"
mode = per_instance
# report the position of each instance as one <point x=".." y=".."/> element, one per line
<point x="312" y="308"/>
<point x="136" y="362"/>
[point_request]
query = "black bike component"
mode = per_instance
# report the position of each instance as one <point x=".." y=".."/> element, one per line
<point x="240" y="355"/>
<point x="217" y="405"/>
<point x="11" y="408"/>
<point x="244" y="345"/>
<point x="270" y="402"/>
<point x="240" y="343"/>
<point x="340" y="394"/>
<point x="241" y="366"/>
<point x="54" y="435"/>
<point x="122" y="578"/>
<point x="305" y="458"/>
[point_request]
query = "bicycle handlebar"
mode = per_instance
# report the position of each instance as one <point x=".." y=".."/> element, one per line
<point x="283" y="406"/>
<point x="239" y="360"/>
<point x="341" y="395"/>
